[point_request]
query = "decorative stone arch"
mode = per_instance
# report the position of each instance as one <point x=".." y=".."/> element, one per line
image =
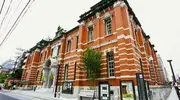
<point x="69" y="38"/>
<point x="107" y="15"/>
<point x="89" y="24"/>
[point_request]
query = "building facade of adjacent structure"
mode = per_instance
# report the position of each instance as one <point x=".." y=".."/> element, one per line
<point x="109" y="27"/>
<point x="163" y="71"/>
<point x="7" y="66"/>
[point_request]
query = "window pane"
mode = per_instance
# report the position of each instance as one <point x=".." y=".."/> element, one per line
<point x="66" y="72"/>
<point x="58" y="50"/>
<point x="110" y="58"/>
<point x="69" y="46"/>
<point x="77" y="39"/>
<point x="90" y="33"/>
<point x="108" y="25"/>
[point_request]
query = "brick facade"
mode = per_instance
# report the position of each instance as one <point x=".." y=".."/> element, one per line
<point x="127" y="41"/>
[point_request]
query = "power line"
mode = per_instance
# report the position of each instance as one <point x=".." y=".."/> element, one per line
<point x="12" y="15"/>
<point x="5" y="14"/>
<point x="18" y="21"/>
<point x="2" y="6"/>
<point x="14" y="25"/>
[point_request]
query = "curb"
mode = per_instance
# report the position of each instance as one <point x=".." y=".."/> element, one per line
<point x="38" y="97"/>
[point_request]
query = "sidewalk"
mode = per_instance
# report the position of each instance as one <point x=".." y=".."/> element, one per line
<point x="173" y="95"/>
<point x="38" y="95"/>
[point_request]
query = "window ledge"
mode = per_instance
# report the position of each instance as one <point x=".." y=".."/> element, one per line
<point x="67" y="80"/>
<point x="112" y="77"/>
<point x="108" y="35"/>
<point x="90" y="41"/>
<point x="67" y="53"/>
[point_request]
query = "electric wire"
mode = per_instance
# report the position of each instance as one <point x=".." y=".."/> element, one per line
<point x="20" y="18"/>
<point x="5" y="14"/>
<point x="14" y="25"/>
<point x="2" y="6"/>
<point x="12" y="15"/>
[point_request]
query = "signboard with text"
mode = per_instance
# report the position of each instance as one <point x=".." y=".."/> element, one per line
<point x="86" y="93"/>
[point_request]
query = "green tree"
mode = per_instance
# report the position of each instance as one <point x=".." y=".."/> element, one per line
<point x="3" y="76"/>
<point x="16" y="74"/>
<point x="92" y="63"/>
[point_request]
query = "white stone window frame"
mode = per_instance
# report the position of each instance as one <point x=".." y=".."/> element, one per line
<point x="77" y="41"/>
<point x="110" y="64"/>
<point x="90" y="33"/>
<point x="56" y="47"/>
<point x="40" y="56"/>
<point x="106" y="16"/>
<point x="66" y="71"/>
<point x="90" y="25"/>
<point x="68" y="48"/>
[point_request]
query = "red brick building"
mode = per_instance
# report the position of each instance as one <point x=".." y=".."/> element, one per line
<point x="110" y="27"/>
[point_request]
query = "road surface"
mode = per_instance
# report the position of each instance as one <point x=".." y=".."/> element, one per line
<point x="6" y="97"/>
<point x="173" y="95"/>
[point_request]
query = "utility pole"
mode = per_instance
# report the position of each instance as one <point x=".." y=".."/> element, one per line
<point x="144" y="82"/>
<point x="174" y="79"/>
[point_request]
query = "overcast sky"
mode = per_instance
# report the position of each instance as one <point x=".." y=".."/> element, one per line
<point x="159" y="18"/>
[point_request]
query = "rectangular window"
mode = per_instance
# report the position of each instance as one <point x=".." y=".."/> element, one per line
<point x="75" y="70"/>
<point x="108" y="25"/>
<point x="37" y="74"/>
<point x="77" y="39"/>
<point x="90" y="33"/>
<point x="66" y="72"/>
<point x="59" y="47"/>
<point x="55" y="51"/>
<point x="52" y="50"/>
<point x="68" y="46"/>
<point x="45" y="55"/>
<point x="40" y="58"/>
<point x="110" y="63"/>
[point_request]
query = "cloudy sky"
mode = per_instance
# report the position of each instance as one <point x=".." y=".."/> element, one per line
<point x="159" y="18"/>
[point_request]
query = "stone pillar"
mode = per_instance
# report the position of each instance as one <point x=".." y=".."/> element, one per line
<point x="46" y="76"/>
<point x="54" y="72"/>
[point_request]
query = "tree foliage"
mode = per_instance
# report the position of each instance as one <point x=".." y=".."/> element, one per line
<point x="92" y="63"/>
<point x="17" y="74"/>
<point x="3" y="76"/>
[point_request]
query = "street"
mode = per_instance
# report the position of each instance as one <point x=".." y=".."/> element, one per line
<point x="173" y="95"/>
<point x="6" y="97"/>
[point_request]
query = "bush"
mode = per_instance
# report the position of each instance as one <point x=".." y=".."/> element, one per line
<point x="6" y="86"/>
<point x="43" y="78"/>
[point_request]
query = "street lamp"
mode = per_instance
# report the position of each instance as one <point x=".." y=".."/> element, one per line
<point x="174" y="79"/>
